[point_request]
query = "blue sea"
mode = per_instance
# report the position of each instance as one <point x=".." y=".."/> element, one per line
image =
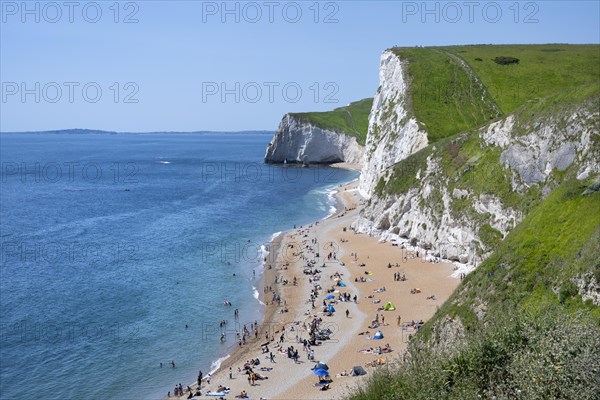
<point x="112" y="244"/>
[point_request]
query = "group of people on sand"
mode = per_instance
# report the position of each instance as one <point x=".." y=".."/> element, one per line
<point x="377" y="350"/>
<point x="308" y="333"/>
<point x="398" y="277"/>
<point x="179" y="391"/>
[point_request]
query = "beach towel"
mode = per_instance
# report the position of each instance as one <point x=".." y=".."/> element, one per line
<point x="217" y="393"/>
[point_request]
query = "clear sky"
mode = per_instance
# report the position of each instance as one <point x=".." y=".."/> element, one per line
<point x="210" y="65"/>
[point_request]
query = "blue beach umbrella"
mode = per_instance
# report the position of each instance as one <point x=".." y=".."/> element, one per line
<point x="320" y="372"/>
<point x="330" y="297"/>
<point x="331" y="309"/>
<point x="321" y="365"/>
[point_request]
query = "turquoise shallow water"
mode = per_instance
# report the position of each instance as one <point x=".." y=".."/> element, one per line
<point x="112" y="244"/>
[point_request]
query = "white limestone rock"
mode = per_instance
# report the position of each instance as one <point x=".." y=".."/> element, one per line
<point x="297" y="141"/>
<point x="393" y="132"/>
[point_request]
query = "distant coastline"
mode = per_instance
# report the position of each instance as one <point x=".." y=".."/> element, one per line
<point x="101" y="132"/>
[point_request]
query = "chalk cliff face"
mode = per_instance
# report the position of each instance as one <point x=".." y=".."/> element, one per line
<point x="298" y="141"/>
<point x="452" y="221"/>
<point x="529" y="155"/>
<point x="393" y="132"/>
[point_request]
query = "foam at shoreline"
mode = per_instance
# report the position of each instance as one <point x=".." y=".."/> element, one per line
<point x="269" y="253"/>
<point x="215" y="365"/>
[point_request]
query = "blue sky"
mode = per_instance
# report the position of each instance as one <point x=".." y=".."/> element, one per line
<point x="204" y="65"/>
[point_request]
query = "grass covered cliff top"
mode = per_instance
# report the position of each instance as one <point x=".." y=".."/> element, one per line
<point x="353" y="119"/>
<point x="456" y="88"/>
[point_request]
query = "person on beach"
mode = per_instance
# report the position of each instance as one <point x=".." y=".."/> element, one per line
<point x="347" y="313"/>
<point x="230" y="373"/>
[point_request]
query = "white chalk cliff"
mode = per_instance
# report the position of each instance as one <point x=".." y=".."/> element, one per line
<point x="298" y="141"/>
<point x="393" y="132"/>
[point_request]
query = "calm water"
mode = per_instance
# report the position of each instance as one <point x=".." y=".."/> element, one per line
<point x="112" y="244"/>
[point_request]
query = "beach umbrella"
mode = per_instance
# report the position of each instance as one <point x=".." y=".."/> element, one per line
<point x="331" y="309"/>
<point x="320" y="372"/>
<point x="330" y="297"/>
<point x="320" y="365"/>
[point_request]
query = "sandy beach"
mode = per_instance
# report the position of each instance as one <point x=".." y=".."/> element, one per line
<point x="305" y="266"/>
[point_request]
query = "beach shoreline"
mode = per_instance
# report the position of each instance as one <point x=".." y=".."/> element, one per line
<point x="293" y="251"/>
<point x="269" y="322"/>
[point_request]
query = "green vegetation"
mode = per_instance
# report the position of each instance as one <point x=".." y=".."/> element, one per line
<point x="555" y="242"/>
<point x="445" y="95"/>
<point x="533" y="357"/>
<point x="537" y="338"/>
<point x="542" y="71"/>
<point x="490" y="236"/>
<point x="404" y="174"/>
<point x="457" y="88"/>
<point x="353" y="119"/>
<point x="506" y="60"/>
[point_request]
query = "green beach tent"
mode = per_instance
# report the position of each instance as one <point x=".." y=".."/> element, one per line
<point x="389" y="306"/>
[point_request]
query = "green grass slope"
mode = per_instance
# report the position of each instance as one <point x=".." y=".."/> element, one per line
<point x="458" y="88"/>
<point x="543" y="70"/>
<point x="537" y="338"/>
<point x="445" y="96"/>
<point x="353" y="119"/>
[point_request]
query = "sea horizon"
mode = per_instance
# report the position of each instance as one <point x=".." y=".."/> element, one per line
<point x="102" y="131"/>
